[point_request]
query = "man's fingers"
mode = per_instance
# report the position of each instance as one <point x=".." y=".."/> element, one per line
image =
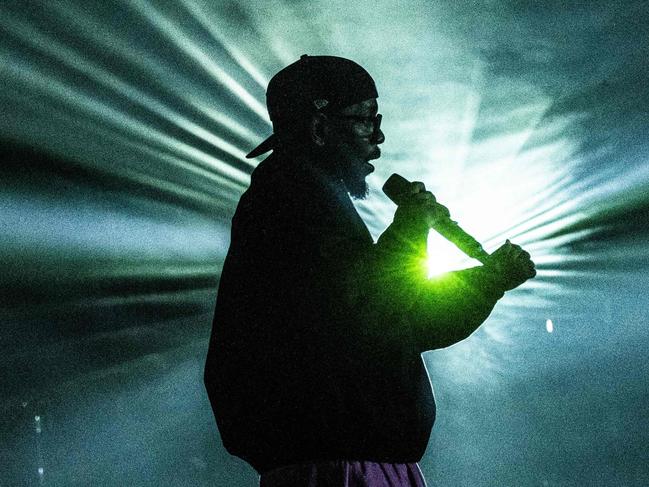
<point x="516" y="251"/>
<point x="528" y="273"/>
<point x="417" y="187"/>
<point x="434" y="209"/>
<point x="424" y="197"/>
<point x="419" y="196"/>
<point x="529" y="268"/>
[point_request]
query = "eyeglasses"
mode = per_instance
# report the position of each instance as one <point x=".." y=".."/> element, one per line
<point x="370" y="125"/>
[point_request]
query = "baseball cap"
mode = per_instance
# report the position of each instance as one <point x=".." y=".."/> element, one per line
<point x="313" y="83"/>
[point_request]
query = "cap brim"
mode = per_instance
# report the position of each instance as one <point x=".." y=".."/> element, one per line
<point x="265" y="146"/>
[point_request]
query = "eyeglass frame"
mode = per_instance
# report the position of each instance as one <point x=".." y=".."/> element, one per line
<point x="374" y="120"/>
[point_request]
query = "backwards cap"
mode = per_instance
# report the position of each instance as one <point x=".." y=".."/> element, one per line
<point x="313" y="83"/>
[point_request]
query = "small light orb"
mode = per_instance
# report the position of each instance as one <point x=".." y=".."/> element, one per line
<point x="549" y="325"/>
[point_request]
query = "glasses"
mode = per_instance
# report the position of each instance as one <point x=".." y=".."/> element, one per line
<point x="370" y="125"/>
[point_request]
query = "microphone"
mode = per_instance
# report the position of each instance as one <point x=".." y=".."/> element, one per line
<point x="397" y="188"/>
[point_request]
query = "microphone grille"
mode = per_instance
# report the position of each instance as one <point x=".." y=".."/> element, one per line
<point x="396" y="188"/>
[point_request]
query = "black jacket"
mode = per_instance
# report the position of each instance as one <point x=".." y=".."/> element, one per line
<point x="318" y="331"/>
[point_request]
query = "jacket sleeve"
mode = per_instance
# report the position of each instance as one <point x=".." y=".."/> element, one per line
<point x="387" y="289"/>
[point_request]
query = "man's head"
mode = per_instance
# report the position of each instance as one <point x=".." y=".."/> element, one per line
<point x="324" y="108"/>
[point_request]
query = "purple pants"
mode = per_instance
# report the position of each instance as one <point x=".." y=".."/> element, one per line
<point x="345" y="474"/>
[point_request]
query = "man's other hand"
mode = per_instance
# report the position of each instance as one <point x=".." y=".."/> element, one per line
<point x="512" y="265"/>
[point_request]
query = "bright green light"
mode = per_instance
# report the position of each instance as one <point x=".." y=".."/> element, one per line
<point x="444" y="257"/>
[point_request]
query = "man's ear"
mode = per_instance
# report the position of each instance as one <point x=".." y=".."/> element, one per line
<point x="319" y="129"/>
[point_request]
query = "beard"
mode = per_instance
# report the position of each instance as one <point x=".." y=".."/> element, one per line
<point x="345" y="164"/>
<point x="354" y="179"/>
<point x="352" y="172"/>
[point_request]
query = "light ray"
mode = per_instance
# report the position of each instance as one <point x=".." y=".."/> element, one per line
<point x="179" y="38"/>
<point x="209" y="24"/>
<point x="124" y="129"/>
<point x="68" y="57"/>
<point x="105" y="114"/>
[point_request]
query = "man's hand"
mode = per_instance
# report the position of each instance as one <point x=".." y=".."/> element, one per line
<point x="420" y="209"/>
<point x="512" y="265"/>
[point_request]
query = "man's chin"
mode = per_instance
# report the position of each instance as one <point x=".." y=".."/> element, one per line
<point x="359" y="194"/>
<point x="354" y="177"/>
<point x="357" y="188"/>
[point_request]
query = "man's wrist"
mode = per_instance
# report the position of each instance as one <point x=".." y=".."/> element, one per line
<point x="496" y="276"/>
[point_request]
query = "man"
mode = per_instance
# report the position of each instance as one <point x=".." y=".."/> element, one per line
<point x="314" y="369"/>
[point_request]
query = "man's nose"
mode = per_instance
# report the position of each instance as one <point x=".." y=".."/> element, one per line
<point x="378" y="137"/>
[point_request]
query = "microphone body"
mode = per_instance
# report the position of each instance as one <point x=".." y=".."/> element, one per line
<point x="397" y="188"/>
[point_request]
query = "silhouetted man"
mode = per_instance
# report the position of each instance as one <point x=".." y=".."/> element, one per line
<point x="314" y="370"/>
